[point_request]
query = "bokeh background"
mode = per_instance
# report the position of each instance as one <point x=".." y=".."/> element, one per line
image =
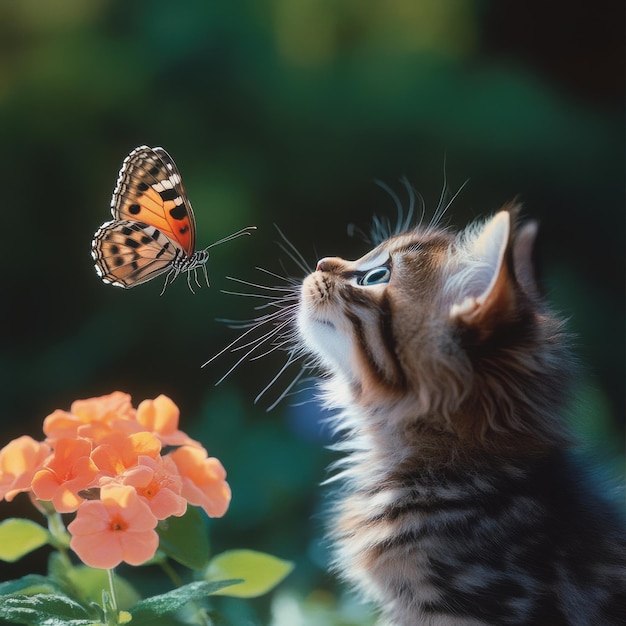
<point x="285" y="112"/>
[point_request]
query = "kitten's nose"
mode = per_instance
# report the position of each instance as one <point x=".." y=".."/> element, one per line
<point x="328" y="264"/>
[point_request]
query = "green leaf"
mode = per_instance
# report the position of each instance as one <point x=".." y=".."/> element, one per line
<point x="28" y="585"/>
<point x="44" y="609"/>
<point x="186" y="539"/>
<point x="157" y="606"/>
<point x="260" y="572"/>
<point x="18" y="537"/>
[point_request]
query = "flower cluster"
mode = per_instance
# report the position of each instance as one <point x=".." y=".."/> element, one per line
<point x="120" y="469"/>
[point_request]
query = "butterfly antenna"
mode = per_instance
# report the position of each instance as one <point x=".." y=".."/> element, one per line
<point x="244" y="231"/>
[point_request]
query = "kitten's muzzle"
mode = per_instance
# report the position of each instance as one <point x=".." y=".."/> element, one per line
<point x="329" y="264"/>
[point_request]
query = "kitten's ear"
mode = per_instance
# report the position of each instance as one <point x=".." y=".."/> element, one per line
<point x="486" y="291"/>
<point x="523" y="247"/>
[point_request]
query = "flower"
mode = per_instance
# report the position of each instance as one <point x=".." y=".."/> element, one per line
<point x="158" y="482"/>
<point x="103" y="459"/>
<point x="118" y="452"/>
<point x="93" y="418"/>
<point x="68" y="470"/>
<point x="118" y="527"/>
<point x="160" y="416"/>
<point x="19" y="461"/>
<point x="204" y="481"/>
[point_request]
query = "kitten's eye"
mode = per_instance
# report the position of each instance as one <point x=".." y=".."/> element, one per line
<point x="376" y="277"/>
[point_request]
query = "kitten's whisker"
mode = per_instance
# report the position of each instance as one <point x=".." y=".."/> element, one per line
<point x="394" y="196"/>
<point x="233" y="343"/>
<point x="438" y="214"/>
<point x="443" y="205"/>
<point x="454" y="197"/>
<point x="261" y="318"/>
<point x="293" y="281"/>
<point x="245" y="357"/>
<point x="293" y="253"/>
<point x="401" y="226"/>
<point x="294" y="258"/>
<point x="266" y="353"/>
<point x="304" y="390"/>
<point x="274" y="347"/>
<point x="259" y="286"/>
<point x="254" y="323"/>
<point x="282" y="305"/>
<point x="288" y="362"/>
<point x="284" y="394"/>
<point x="248" y="295"/>
<point x="259" y="340"/>
<point x="414" y="197"/>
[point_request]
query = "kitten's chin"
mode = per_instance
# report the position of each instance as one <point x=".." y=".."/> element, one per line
<point x="322" y="337"/>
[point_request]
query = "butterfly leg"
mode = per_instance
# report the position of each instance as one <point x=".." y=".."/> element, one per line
<point x="206" y="275"/>
<point x="170" y="277"/>
<point x="189" y="282"/>
<point x="195" y="277"/>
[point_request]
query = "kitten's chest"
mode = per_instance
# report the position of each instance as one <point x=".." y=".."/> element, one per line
<point x="393" y="536"/>
<point x="418" y="548"/>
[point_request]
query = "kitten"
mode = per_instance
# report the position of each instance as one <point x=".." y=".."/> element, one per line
<point x="461" y="502"/>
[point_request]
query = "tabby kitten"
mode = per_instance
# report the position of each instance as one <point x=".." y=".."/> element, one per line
<point x="461" y="503"/>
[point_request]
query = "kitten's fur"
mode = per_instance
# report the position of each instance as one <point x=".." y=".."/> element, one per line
<point x="461" y="503"/>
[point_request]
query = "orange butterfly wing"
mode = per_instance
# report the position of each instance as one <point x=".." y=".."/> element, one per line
<point x="150" y="190"/>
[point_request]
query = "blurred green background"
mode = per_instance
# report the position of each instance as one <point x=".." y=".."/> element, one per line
<point x="285" y="112"/>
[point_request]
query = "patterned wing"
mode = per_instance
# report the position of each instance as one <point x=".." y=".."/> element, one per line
<point x="128" y="253"/>
<point x="150" y="190"/>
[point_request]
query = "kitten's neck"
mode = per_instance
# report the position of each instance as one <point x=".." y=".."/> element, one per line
<point x="391" y="438"/>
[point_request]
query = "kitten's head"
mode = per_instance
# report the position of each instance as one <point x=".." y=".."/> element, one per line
<point x="439" y="328"/>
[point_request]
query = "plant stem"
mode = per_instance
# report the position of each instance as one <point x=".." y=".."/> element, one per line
<point x="57" y="529"/>
<point x="109" y="601"/>
<point x="60" y="538"/>
<point x="111" y="574"/>
<point x="171" y="573"/>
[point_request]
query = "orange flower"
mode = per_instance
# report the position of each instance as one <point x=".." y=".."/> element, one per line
<point x="160" y="416"/>
<point x="158" y="482"/>
<point x="19" y="460"/>
<point x="92" y="418"/>
<point x="118" y="527"/>
<point x="66" y="472"/>
<point x="118" y="452"/>
<point x="204" y="481"/>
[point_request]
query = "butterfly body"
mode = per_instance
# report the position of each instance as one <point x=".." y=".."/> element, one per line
<point x="153" y="230"/>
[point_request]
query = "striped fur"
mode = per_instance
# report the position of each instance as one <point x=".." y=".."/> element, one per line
<point x="460" y="500"/>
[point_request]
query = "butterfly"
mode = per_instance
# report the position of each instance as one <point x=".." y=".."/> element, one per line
<point x="153" y="230"/>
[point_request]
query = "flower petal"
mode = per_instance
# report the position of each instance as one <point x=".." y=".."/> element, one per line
<point x="204" y="481"/>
